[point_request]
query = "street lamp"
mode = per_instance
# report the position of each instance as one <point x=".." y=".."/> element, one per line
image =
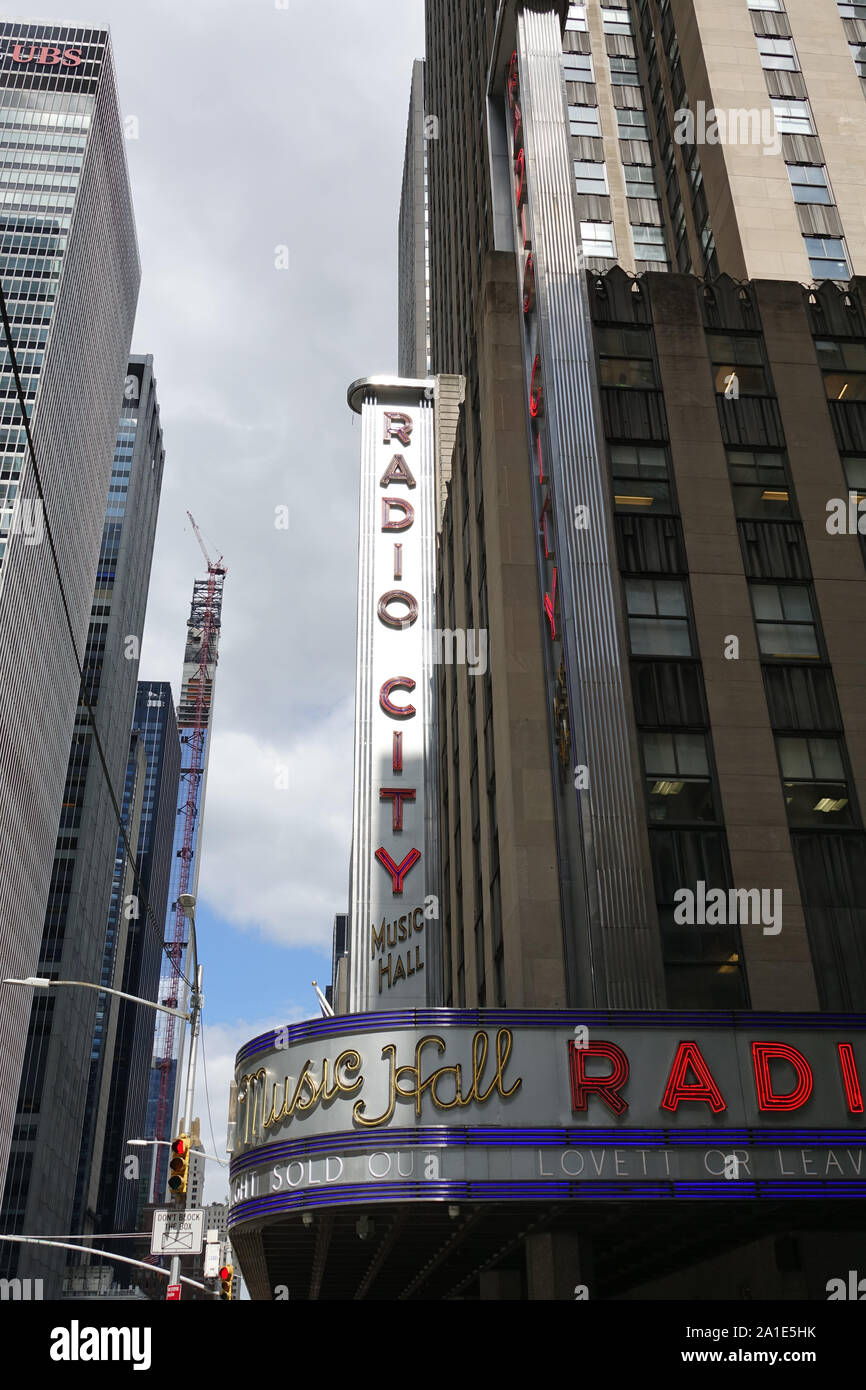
<point x="186" y="903"/>
<point x="39" y="982"/>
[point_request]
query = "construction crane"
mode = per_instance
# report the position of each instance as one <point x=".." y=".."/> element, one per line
<point x="210" y="566"/>
<point x="193" y="718"/>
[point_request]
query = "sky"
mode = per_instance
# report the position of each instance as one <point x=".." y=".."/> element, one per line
<point x="265" y="143"/>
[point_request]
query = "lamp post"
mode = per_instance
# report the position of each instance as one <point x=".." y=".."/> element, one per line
<point x="186" y="902"/>
<point x="40" y="982"/>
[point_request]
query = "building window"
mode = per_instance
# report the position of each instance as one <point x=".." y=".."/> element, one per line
<point x="632" y="125"/>
<point x="858" y="53"/>
<point x="854" y="467"/>
<point x="734" y="354"/>
<point x="597" y="238"/>
<point x="678" y="778"/>
<point x="577" y="67"/>
<point x="625" y="357"/>
<point x="809" y="183"/>
<point x="766" y="5"/>
<point x="846" y="378"/>
<point x="778" y="53"/>
<point x="576" y="22"/>
<point x="827" y="258"/>
<point x="639" y="181"/>
<point x="615" y="21"/>
<point x="784" y="621"/>
<point x="658" y="619"/>
<point x="792" y="117"/>
<point x="816" y="791"/>
<point x="583" y="120"/>
<point x="591" y="177"/>
<point x="649" y="244"/>
<point x="623" y="72"/>
<point x="759" y="483"/>
<point x="851" y="11"/>
<point x="640" y="478"/>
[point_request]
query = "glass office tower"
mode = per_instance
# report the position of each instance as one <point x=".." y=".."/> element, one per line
<point x="62" y="1095"/>
<point x="69" y="270"/>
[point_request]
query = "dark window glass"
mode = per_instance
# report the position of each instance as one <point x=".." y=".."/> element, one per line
<point x="813" y="774"/>
<point x="640" y="478"/>
<point x="759" y="483"/>
<point x="658" y="621"/>
<point x="809" y="183"/>
<point x="784" y="621"/>
<point x="678" y="778"/>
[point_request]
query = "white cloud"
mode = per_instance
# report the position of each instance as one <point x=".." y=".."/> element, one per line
<point x="276" y="857"/>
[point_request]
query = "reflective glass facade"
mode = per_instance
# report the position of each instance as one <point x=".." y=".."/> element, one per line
<point x="70" y="271"/>
<point x="156" y="725"/>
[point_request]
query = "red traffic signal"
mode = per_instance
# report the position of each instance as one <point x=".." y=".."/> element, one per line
<point x="179" y="1166"/>
<point x="227" y="1274"/>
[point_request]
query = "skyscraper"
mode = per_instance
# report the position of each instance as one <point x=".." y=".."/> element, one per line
<point x="413" y="251"/>
<point x="70" y="272"/>
<point x="52" y="1095"/>
<point x="633" y="165"/>
<point x="155" y="724"/>
<point x="194" y="716"/>
<point x="121" y="909"/>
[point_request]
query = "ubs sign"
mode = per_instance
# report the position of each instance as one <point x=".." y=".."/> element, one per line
<point x="46" y="55"/>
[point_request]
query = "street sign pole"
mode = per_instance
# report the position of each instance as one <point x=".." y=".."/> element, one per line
<point x="195" y="1011"/>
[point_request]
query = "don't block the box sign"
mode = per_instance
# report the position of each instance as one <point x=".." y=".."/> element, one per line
<point x="394" y="896"/>
<point x="513" y="1105"/>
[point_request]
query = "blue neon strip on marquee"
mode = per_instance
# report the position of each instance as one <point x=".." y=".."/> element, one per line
<point x="440" y="1136"/>
<point x="732" y="1020"/>
<point x="365" y="1194"/>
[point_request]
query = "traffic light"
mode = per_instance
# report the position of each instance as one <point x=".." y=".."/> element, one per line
<point x="227" y="1274"/>
<point x="179" y="1166"/>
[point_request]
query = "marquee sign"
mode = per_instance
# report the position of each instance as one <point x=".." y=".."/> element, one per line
<point x="523" y="1105"/>
<point x="393" y="896"/>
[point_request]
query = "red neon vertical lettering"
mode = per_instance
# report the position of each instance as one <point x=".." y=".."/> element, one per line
<point x="398" y="872"/>
<point x="550" y="606"/>
<point x="536" y="393"/>
<point x="396" y="795"/>
<point x="528" y="284"/>
<point x="520" y="178"/>
<point x="387" y="705"/>
<point x="513" y="79"/>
